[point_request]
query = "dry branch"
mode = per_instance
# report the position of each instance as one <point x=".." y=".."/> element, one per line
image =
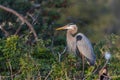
<point x="21" y="18"/>
<point x="1" y="27"/>
<point x="48" y="75"/>
<point x="17" y="31"/>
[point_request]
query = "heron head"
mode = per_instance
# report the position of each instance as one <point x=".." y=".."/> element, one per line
<point x="69" y="26"/>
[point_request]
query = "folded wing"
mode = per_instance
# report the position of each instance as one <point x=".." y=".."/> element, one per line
<point x="85" y="48"/>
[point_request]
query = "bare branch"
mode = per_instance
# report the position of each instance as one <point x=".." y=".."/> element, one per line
<point x="1" y="27"/>
<point x="51" y="46"/>
<point x="21" y="18"/>
<point x="39" y="76"/>
<point x="17" y="31"/>
<point x="64" y="50"/>
<point x="2" y="77"/>
<point x="48" y="75"/>
<point x="59" y="54"/>
<point x="33" y="17"/>
<point x="10" y="67"/>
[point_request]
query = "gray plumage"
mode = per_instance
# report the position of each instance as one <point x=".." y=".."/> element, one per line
<point x="85" y="48"/>
<point x="79" y="42"/>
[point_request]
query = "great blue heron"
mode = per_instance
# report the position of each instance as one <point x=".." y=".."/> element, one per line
<point x="79" y="44"/>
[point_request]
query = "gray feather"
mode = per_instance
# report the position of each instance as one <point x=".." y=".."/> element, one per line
<point x="85" y="48"/>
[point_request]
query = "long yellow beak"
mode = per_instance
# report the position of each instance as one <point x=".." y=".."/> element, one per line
<point x="61" y="28"/>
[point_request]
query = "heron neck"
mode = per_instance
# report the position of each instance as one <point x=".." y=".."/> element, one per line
<point x="70" y="41"/>
<point x="70" y="35"/>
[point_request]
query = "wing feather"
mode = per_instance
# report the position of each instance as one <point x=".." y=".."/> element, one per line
<point x="85" y="48"/>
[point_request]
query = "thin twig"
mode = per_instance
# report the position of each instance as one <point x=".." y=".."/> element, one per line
<point x="19" y="28"/>
<point x="59" y="57"/>
<point x="34" y="18"/>
<point x="22" y="19"/>
<point x="13" y="75"/>
<point x="6" y="33"/>
<point x="52" y="43"/>
<point x="10" y="67"/>
<point x="59" y="54"/>
<point x="39" y="76"/>
<point x="97" y="69"/>
<point x="64" y="50"/>
<point x="48" y="75"/>
<point x="1" y="27"/>
<point x="105" y="64"/>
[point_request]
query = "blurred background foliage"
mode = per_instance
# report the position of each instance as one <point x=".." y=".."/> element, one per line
<point x="22" y="58"/>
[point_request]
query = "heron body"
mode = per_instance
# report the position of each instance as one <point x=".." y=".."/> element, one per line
<point x="79" y="43"/>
